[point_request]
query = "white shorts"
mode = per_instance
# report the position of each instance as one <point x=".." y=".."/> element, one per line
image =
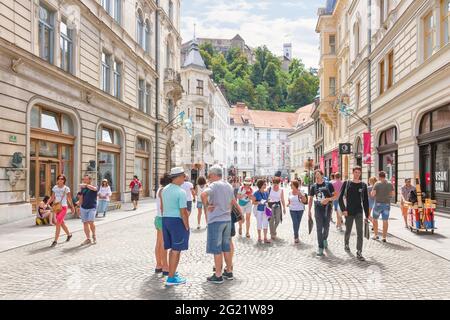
<point x="262" y="221"/>
<point x="247" y="208"/>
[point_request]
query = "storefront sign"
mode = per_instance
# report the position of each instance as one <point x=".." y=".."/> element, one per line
<point x="335" y="161"/>
<point x="440" y="181"/>
<point x="345" y="148"/>
<point x="322" y="164"/>
<point x="367" y="156"/>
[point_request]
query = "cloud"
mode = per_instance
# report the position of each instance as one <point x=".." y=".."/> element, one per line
<point x="269" y="23"/>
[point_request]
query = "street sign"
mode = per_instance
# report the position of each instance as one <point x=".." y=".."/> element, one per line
<point x="345" y="148"/>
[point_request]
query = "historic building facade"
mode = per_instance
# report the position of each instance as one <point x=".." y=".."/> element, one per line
<point x="396" y="87"/>
<point x="85" y="87"/>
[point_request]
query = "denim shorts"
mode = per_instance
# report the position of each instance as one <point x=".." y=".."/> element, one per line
<point x="87" y="215"/>
<point x="199" y="204"/>
<point x="175" y="235"/>
<point x="189" y="206"/>
<point x="336" y="205"/>
<point x="219" y="237"/>
<point x="382" y="209"/>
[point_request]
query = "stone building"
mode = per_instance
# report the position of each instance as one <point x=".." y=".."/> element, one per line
<point x="85" y="87"/>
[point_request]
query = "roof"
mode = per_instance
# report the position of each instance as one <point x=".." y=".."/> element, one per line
<point x="238" y="37"/>
<point x="194" y="58"/>
<point x="304" y="114"/>
<point x="263" y="119"/>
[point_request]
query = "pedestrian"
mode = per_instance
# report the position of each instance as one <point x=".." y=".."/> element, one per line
<point x="104" y="195"/>
<point x="277" y="204"/>
<point x="76" y="205"/>
<point x="188" y="187"/>
<point x="136" y="187"/>
<point x="260" y="198"/>
<point x="372" y="181"/>
<point x="201" y="186"/>
<point x="383" y="191"/>
<point x="322" y="194"/>
<point x="355" y="205"/>
<point x="175" y="223"/>
<point x="244" y="196"/>
<point x="296" y="205"/>
<point x="219" y="199"/>
<point x="405" y="191"/>
<point x="337" y="185"/>
<point x="236" y="186"/>
<point x="162" y="265"/>
<point x="88" y="209"/>
<point x="59" y="199"/>
<point x="44" y="212"/>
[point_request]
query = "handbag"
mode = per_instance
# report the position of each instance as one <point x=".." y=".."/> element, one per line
<point x="300" y="198"/>
<point x="366" y="230"/>
<point x="268" y="212"/>
<point x="57" y="206"/>
<point x="235" y="215"/>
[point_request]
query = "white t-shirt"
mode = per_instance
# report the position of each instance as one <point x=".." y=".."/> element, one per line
<point x="295" y="203"/>
<point x="59" y="194"/>
<point x="105" y="191"/>
<point x="158" y="202"/>
<point x="275" y="196"/>
<point x="200" y="191"/>
<point x="187" y="187"/>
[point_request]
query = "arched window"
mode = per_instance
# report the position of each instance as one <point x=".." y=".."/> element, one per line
<point x="250" y="147"/>
<point x="235" y="160"/>
<point x="358" y="152"/>
<point x="388" y="137"/>
<point x="50" y="120"/>
<point x="356" y="38"/>
<point x="109" y="142"/>
<point x="140" y="28"/>
<point x="435" y="120"/>
<point x="243" y="132"/>
<point x="235" y="132"/>
<point x="243" y="146"/>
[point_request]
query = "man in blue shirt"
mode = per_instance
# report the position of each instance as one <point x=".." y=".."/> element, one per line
<point x="175" y="222"/>
<point x="88" y="208"/>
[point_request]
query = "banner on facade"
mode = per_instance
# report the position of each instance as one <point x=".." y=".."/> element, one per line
<point x="367" y="155"/>
<point x="322" y="164"/>
<point x="335" y="161"/>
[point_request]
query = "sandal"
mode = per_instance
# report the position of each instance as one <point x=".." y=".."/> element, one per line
<point x="54" y="243"/>
<point x="267" y="241"/>
<point x="69" y="237"/>
<point x="247" y="235"/>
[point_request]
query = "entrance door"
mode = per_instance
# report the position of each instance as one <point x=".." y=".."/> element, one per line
<point x="388" y="164"/>
<point x="425" y="171"/>
<point x="48" y="171"/>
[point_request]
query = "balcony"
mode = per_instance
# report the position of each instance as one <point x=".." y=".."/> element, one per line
<point x="172" y="84"/>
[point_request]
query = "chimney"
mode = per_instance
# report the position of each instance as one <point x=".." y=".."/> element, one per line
<point x="240" y="105"/>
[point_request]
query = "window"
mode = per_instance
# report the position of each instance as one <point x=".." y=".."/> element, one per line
<point x="257" y="135"/>
<point x="445" y="22"/>
<point x="50" y="121"/>
<point x="117" y="88"/>
<point x="45" y="119"/>
<point x="429" y="35"/>
<point x="171" y="11"/>
<point x="268" y="149"/>
<point x="250" y="160"/>
<point x="388" y="137"/>
<point x="332" y="86"/>
<point x="148" y="98"/>
<point x="356" y="39"/>
<point x="269" y="133"/>
<point x="147" y="38"/>
<point x="199" y="115"/>
<point x="235" y="146"/>
<point x="332" y="43"/>
<point x="168" y="56"/>
<point x="106" y="72"/>
<point x="107" y="135"/>
<point x="235" y="160"/>
<point x="435" y="120"/>
<point x="142" y="145"/>
<point x="250" y="147"/>
<point x="382" y="76"/>
<point x="357" y="95"/>
<point x="141" y="95"/>
<point x="46" y="33"/>
<point x="243" y="133"/>
<point x="235" y="132"/>
<point x="243" y="146"/>
<point x="140" y="29"/>
<point x="382" y="16"/>
<point x="66" y="44"/>
<point x="390" y="78"/>
<point x="117" y="11"/>
<point x="200" y="87"/>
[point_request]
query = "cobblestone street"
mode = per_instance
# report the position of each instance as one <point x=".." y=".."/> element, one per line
<point x="121" y="266"/>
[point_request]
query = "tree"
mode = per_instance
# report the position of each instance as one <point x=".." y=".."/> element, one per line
<point x="270" y="75"/>
<point x="207" y="52"/>
<point x="257" y="74"/>
<point x="262" y="97"/>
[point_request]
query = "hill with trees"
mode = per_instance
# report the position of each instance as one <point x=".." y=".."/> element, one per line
<point x="263" y="85"/>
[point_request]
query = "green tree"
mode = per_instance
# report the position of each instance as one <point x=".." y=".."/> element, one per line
<point x="207" y="52"/>
<point x="257" y="74"/>
<point x="270" y="75"/>
<point x="262" y="97"/>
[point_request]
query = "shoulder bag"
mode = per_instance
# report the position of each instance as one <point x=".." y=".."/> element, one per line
<point x="57" y="206"/>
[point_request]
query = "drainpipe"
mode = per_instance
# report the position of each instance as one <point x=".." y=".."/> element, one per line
<point x="369" y="75"/>
<point x="157" y="66"/>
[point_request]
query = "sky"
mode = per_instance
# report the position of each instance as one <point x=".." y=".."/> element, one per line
<point x="259" y="22"/>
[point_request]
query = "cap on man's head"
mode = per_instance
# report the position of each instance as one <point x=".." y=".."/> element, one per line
<point x="176" y="172"/>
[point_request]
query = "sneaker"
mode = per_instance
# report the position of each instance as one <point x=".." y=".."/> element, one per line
<point x="347" y="248"/>
<point x="228" y="275"/>
<point x="86" y="242"/>
<point x="325" y="244"/>
<point x="94" y="240"/>
<point x="359" y="256"/>
<point x="215" y="279"/>
<point x="175" y="281"/>
<point x="319" y="252"/>
<point x="69" y="237"/>
<point x="375" y="238"/>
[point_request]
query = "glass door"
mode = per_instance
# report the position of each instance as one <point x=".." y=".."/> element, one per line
<point x="48" y="171"/>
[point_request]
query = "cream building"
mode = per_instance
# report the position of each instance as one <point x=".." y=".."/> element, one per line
<point x="204" y="104"/>
<point x="398" y="83"/>
<point x="85" y="87"/>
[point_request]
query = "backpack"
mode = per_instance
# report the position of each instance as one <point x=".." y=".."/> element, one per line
<point x="412" y="196"/>
<point x="135" y="188"/>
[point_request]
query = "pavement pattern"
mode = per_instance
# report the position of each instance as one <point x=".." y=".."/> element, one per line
<point x="121" y="264"/>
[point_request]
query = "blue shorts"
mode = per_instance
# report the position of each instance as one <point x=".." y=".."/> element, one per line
<point x="382" y="209"/>
<point x="87" y="215"/>
<point x="189" y="206"/>
<point x="336" y="205"/>
<point x="175" y="235"/>
<point x="199" y="204"/>
<point x="219" y="237"/>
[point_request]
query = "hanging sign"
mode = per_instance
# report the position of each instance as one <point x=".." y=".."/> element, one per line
<point x="367" y="155"/>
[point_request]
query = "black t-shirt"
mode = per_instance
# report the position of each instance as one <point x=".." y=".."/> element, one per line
<point x="321" y="191"/>
<point x="89" y="199"/>
<point x="356" y="196"/>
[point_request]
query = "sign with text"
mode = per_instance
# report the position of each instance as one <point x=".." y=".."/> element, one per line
<point x="345" y="148"/>
<point x="367" y="154"/>
<point x="335" y="161"/>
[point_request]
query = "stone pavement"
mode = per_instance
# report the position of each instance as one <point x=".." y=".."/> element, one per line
<point x="121" y="266"/>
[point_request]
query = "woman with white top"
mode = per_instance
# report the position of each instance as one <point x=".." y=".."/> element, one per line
<point x="259" y="200"/>
<point x="296" y="206"/>
<point x="200" y="188"/>
<point x="61" y="194"/>
<point x="244" y="196"/>
<point x="277" y="204"/>
<point x="104" y="194"/>
<point x="162" y="265"/>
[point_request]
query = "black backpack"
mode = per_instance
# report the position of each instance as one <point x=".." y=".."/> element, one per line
<point x="412" y="196"/>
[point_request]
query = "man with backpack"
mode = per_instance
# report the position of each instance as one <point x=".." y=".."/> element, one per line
<point x="136" y="187"/>
<point x="356" y="203"/>
<point x="323" y="195"/>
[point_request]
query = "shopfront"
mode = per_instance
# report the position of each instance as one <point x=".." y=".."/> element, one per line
<point x="388" y="156"/>
<point x="434" y="143"/>
<point x="108" y="158"/>
<point x="51" y="151"/>
<point x="142" y="164"/>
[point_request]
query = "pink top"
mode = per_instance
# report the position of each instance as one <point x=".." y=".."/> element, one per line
<point x="337" y="185"/>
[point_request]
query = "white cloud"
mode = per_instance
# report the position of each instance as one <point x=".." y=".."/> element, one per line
<point x="255" y="22"/>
